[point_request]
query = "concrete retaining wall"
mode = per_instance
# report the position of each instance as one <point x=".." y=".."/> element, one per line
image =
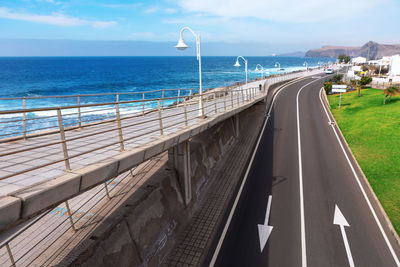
<point x="144" y="229"/>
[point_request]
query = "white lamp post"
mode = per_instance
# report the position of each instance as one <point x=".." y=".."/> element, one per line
<point x="277" y="64"/>
<point x="182" y="46"/>
<point x="305" y="64"/>
<point x="261" y="69"/>
<point x="238" y="65"/>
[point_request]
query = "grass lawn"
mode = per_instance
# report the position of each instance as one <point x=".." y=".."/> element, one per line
<point x="373" y="133"/>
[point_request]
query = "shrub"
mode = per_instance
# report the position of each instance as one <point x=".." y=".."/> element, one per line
<point x="337" y="78"/>
<point x="344" y="58"/>
<point x="328" y="87"/>
<point x="365" y="80"/>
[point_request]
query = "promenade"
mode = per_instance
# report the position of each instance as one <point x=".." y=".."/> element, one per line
<point x="30" y="161"/>
<point x="33" y="163"/>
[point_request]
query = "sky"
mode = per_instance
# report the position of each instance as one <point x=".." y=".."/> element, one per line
<point x="253" y="27"/>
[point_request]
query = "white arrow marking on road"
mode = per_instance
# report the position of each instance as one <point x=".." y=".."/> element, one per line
<point x="264" y="230"/>
<point x="340" y="220"/>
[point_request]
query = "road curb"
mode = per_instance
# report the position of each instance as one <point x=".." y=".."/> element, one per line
<point x="388" y="222"/>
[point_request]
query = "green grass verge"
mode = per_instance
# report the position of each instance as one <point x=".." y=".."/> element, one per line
<point x="372" y="131"/>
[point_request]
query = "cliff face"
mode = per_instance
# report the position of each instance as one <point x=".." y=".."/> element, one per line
<point x="371" y="50"/>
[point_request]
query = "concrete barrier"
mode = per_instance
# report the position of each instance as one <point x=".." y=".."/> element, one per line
<point x="41" y="197"/>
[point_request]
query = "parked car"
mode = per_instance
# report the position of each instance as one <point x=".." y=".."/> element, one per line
<point x="329" y="71"/>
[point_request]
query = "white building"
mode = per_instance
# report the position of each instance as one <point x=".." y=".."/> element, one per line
<point x="359" y="60"/>
<point x="394" y="68"/>
<point x="385" y="61"/>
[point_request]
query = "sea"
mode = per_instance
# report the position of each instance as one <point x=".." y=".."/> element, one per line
<point x="54" y="76"/>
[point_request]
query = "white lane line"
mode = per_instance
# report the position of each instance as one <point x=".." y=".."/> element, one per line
<point x="360" y="185"/>
<point x="340" y="220"/>
<point x="302" y="222"/>
<point x="301" y="194"/>
<point x="228" y="222"/>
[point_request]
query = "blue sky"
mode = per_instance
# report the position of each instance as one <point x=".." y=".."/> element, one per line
<point x="284" y="26"/>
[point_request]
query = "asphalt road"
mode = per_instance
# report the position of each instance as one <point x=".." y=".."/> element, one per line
<point x="302" y="165"/>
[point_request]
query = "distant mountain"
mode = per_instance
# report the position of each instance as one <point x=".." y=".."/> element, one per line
<point x="370" y="50"/>
<point x="293" y="54"/>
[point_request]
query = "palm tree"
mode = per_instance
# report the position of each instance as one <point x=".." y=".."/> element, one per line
<point x="389" y="92"/>
<point x="353" y="84"/>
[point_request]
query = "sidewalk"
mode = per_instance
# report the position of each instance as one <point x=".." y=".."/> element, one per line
<point x="196" y="240"/>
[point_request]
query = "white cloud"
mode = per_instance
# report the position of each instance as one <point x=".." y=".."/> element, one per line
<point x="151" y="9"/>
<point x="57" y="19"/>
<point x="121" y="6"/>
<point x="52" y="2"/>
<point x="170" y="10"/>
<point x="283" y="11"/>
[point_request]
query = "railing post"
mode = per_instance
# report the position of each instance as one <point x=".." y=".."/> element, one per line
<point x="243" y="99"/>
<point x="162" y="100"/>
<point x="160" y="118"/>
<point x="70" y="216"/>
<point x="179" y="95"/>
<point x="190" y="92"/>
<point x="63" y="141"/>
<point x="24" y="117"/>
<point x="143" y="104"/>
<point x="225" y="100"/>
<point x="215" y="103"/>
<point x="185" y="111"/>
<point x="106" y="188"/>
<point x="247" y="94"/>
<point x="121" y="138"/>
<point x="237" y="98"/>
<point x="202" y="107"/>
<point x="10" y="255"/>
<point x="79" y="112"/>
<point x="232" y="99"/>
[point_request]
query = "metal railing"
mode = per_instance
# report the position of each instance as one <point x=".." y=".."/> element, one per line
<point x="214" y="102"/>
<point x="62" y="131"/>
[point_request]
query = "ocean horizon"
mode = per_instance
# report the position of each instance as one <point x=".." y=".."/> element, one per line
<point x="48" y="76"/>
<point x="37" y="77"/>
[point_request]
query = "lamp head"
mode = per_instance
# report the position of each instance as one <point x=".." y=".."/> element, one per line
<point x="276" y="65"/>
<point x="237" y="64"/>
<point x="181" y="44"/>
<point x="256" y="69"/>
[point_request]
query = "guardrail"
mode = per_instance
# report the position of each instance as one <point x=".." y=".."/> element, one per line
<point x="168" y="114"/>
<point x="105" y="126"/>
<point x="118" y="118"/>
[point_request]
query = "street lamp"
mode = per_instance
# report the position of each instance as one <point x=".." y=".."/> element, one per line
<point x="238" y="65"/>
<point x="262" y="69"/>
<point x="305" y="64"/>
<point x="182" y="46"/>
<point x="277" y="64"/>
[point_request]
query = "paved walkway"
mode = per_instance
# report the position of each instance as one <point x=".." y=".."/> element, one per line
<point x="194" y="243"/>
<point x="41" y="158"/>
